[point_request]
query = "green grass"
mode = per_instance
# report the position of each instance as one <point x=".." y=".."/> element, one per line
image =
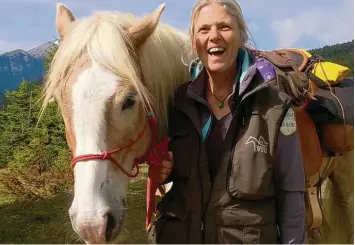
<point x="47" y="221"/>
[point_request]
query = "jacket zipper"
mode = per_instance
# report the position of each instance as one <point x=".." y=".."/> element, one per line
<point x="201" y="186"/>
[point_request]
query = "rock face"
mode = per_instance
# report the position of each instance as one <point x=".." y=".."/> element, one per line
<point x="19" y="65"/>
<point x="41" y="51"/>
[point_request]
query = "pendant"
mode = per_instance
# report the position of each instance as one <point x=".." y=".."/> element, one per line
<point x="221" y="104"/>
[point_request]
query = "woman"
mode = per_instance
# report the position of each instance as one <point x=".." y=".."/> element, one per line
<point x="237" y="173"/>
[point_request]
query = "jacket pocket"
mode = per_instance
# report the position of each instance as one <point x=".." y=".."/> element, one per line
<point x="171" y="230"/>
<point x="174" y="203"/>
<point x="250" y="169"/>
<point x="260" y="234"/>
<point x="242" y="226"/>
<point x="236" y="234"/>
<point x="251" y="235"/>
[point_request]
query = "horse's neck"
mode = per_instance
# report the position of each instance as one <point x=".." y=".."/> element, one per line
<point x="170" y="72"/>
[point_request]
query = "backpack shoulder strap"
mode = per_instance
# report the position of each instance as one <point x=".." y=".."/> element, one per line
<point x="289" y="65"/>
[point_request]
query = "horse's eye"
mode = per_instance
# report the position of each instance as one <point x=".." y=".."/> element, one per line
<point x="128" y="103"/>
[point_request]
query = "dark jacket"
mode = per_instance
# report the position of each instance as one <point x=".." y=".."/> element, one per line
<point x="239" y="206"/>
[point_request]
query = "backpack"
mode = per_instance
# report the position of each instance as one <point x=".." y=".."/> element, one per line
<point x="324" y="106"/>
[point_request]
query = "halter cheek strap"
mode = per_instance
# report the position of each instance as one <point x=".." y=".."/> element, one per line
<point x="157" y="153"/>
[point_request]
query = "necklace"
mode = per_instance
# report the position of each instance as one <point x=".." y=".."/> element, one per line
<point x="221" y="102"/>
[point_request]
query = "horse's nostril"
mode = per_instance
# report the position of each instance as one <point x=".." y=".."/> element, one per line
<point x="110" y="226"/>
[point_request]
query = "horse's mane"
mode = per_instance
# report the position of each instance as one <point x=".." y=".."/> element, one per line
<point x="103" y="37"/>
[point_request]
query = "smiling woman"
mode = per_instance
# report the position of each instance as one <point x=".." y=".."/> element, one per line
<point x="237" y="184"/>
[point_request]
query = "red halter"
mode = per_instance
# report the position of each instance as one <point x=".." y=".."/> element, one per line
<point x="156" y="153"/>
<point x="107" y="155"/>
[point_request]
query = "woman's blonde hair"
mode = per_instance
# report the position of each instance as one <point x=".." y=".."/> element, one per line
<point x="231" y="6"/>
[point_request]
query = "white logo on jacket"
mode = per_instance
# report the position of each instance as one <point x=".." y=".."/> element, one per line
<point x="259" y="145"/>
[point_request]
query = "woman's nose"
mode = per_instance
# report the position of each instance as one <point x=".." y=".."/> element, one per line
<point x="214" y="34"/>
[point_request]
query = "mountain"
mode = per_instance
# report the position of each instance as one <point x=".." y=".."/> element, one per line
<point x="42" y="50"/>
<point x="19" y="65"/>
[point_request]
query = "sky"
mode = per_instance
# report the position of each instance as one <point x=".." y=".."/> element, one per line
<point x="25" y="24"/>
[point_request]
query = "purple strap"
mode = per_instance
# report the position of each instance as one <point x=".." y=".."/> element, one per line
<point x="266" y="69"/>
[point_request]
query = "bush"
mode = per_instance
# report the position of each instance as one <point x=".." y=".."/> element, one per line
<point x="34" y="184"/>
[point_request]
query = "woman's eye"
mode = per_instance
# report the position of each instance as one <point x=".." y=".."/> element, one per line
<point x="225" y="28"/>
<point x="203" y="30"/>
<point x="128" y="103"/>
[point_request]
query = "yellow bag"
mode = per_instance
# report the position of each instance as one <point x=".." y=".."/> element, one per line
<point x="325" y="71"/>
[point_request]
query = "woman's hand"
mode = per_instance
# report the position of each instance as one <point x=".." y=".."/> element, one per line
<point x="166" y="168"/>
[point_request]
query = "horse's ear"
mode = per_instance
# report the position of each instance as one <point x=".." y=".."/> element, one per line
<point x="141" y="31"/>
<point x="64" y="19"/>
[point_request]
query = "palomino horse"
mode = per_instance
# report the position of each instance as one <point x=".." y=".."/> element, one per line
<point x="109" y="72"/>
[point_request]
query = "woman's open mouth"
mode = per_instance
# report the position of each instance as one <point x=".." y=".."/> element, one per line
<point x="216" y="51"/>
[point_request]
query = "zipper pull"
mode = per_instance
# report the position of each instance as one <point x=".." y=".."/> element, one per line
<point x="243" y="121"/>
<point x="202" y="226"/>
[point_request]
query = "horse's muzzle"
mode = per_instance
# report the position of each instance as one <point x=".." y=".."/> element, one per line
<point x="95" y="229"/>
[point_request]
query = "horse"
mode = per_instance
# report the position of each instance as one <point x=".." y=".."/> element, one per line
<point x="110" y="72"/>
<point x="338" y="204"/>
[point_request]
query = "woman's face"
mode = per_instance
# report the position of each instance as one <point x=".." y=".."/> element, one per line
<point x="216" y="38"/>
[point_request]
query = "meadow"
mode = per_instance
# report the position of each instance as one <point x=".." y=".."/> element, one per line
<point x="47" y="221"/>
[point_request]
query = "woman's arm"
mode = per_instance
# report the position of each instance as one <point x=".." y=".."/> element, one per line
<point x="290" y="187"/>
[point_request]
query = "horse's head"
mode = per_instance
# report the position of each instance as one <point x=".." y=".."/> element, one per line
<point x="104" y="75"/>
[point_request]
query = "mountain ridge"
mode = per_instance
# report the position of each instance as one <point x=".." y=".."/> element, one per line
<point x="18" y="65"/>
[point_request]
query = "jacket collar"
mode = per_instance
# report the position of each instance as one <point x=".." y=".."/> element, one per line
<point x="246" y="67"/>
<point x="187" y="94"/>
